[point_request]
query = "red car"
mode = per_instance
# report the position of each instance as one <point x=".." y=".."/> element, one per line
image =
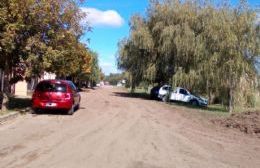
<point x="56" y="94"/>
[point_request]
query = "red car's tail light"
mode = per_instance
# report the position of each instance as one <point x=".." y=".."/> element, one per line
<point x="67" y="96"/>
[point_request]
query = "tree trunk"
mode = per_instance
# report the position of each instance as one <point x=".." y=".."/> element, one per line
<point x="4" y="102"/>
<point x="231" y="101"/>
<point x="2" y="80"/>
<point x="210" y="101"/>
<point x="3" y="95"/>
<point x="208" y="92"/>
<point x="132" y="86"/>
<point x="2" y="89"/>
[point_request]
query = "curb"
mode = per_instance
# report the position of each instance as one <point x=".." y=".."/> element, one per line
<point x="9" y="116"/>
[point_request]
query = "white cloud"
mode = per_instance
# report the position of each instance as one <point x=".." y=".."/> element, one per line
<point x="96" y="17"/>
<point x="108" y="67"/>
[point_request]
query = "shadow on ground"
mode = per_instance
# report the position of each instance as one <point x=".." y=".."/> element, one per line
<point x="146" y="96"/>
<point x="132" y="95"/>
<point x="54" y="112"/>
<point x="86" y="89"/>
<point x="24" y="105"/>
<point x="50" y="112"/>
<point x="19" y="103"/>
<point x="219" y="108"/>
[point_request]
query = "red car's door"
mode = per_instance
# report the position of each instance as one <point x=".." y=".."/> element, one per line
<point x="76" y="95"/>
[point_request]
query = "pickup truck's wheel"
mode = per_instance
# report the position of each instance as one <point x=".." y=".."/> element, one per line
<point x="194" y="103"/>
<point x="151" y="97"/>
<point x="164" y="98"/>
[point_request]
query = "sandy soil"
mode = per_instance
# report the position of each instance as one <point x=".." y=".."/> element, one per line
<point x="112" y="130"/>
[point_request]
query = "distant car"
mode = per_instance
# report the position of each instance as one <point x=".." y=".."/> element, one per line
<point x="154" y="92"/>
<point x="163" y="91"/>
<point x="56" y="94"/>
<point x="183" y="95"/>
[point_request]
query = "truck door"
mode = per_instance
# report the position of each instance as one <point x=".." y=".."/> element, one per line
<point x="182" y="94"/>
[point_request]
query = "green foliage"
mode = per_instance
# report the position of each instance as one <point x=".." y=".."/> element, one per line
<point x="206" y="48"/>
<point x="95" y="70"/>
<point x="90" y="72"/>
<point x="39" y="36"/>
<point x="43" y="36"/>
<point x="114" y="78"/>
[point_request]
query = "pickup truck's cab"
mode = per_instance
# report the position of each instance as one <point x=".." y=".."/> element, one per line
<point x="183" y="95"/>
<point x="163" y="91"/>
<point x="180" y="94"/>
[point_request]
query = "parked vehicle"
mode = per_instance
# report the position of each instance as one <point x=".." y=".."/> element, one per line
<point x="183" y="95"/>
<point x="163" y="91"/>
<point x="56" y="94"/>
<point x="154" y="92"/>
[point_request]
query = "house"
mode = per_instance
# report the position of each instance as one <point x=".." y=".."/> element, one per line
<point x="24" y="88"/>
<point x="121" y="83"/>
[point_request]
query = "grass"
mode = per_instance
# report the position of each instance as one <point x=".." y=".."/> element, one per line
<point x="214" y="109"/>
<point x="139" y="90"/>
<point x="217" y="110"/>
<point x="5" y="112"/>
<point x="240" y="109"/>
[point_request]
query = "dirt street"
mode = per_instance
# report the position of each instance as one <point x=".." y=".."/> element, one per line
<point x="112" y="130"/>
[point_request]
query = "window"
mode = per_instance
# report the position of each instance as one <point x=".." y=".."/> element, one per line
<point x="73" y="87"/>
<point x="182" y="91"/>
<point x="51" y="87"/>
<point x="167" y="88"/>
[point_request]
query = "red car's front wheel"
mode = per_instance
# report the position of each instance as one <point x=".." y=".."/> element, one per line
<point x="71" y="110"/>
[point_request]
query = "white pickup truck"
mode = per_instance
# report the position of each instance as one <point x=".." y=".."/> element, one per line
<point x="163" y="91"/>
<point x="183" y="95"/>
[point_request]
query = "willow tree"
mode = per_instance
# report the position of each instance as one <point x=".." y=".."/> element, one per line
<point x="206" y="48"/>
<point x="231" y="45"/>
<point x="135" y="53"/>
<point x="95" y="74"/>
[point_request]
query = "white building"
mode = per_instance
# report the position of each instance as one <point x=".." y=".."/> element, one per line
<point x="22" y="88"/>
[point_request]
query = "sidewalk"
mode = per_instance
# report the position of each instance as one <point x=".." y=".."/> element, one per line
<point x="8" y="116"/>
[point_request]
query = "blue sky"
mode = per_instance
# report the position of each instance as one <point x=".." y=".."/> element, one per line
<point x="109" y="20"/>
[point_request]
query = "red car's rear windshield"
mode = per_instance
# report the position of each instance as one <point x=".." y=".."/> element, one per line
<point x="51" y="87"/>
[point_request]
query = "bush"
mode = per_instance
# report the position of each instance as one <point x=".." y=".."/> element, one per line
<point x="251" y="100"/>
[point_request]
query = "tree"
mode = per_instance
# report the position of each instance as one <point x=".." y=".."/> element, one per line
<point x="38" y="36"/>
<point x="114" y="78"/>
<point x="206" y="48"/>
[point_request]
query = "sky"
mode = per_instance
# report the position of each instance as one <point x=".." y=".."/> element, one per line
<point x="109" y="21"/>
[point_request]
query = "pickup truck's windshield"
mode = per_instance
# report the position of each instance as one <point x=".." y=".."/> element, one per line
<point x="182" y="91"/>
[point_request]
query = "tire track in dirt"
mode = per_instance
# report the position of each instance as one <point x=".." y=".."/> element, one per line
<point x="115" y="131"/>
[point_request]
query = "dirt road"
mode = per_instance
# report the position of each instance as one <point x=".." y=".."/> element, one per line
<point x="112" y="130"/>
